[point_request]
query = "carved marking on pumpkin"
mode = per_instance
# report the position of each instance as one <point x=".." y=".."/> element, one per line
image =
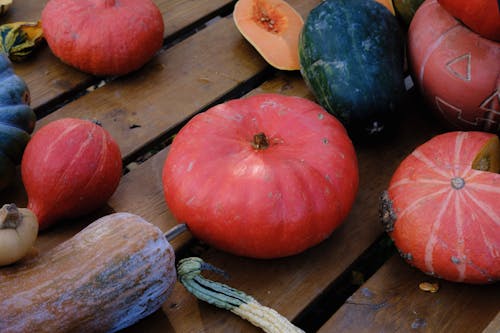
<point x="460" y="67"/>
<point x="491" y="107"/>
<point x="430" y="51"/>
<point x="490" y="120"/>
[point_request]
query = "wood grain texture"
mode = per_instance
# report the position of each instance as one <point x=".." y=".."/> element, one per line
<point x="48" y="78"/>
<point x="174" y="86"/>
<point x="391" y="301"/>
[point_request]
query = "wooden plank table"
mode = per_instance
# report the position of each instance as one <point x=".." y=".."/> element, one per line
<point x="351" y="282"/>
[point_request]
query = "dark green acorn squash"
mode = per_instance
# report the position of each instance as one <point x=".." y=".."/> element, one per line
<point x="351" y="54"/>
<point x="17" y="120"/>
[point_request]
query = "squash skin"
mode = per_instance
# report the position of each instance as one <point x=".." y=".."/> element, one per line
<point x="262" y="202"/>
<point x="69" y="168"/>
<point x="443" y="213"/>
<point x="17" y="120"/>
<point x="356" y="74"/>
<point x="481" y="16"/>
<point x="455" y="69"/>
<point x="114" y="272"/>
<point x="103" y="37"/>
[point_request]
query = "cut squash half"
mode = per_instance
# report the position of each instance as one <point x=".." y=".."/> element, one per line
<point x="273" y="28"/>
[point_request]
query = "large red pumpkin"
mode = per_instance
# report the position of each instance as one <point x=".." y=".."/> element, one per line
<point x="103" y="37"/>
<point x="457" y="71"/>
<point x="69" y="168"/>
<point x="481" y="16"/>
<point x="264" y="176"/>
<point x="442" y="207"/>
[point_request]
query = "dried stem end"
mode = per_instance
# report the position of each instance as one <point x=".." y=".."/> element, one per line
<point x="9" y="217"/>
<point x="260" y="141"/>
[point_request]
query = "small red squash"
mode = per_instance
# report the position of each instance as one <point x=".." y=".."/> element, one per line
<point x="264" y="176"/>
<point x="457" y="70"/>
<point x="69" y="168"/>
<point x="442" y="207"/>
<point x="103" y="37"/>
<point x="481" y="16"/>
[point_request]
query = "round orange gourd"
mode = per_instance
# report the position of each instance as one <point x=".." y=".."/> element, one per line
<point x="273" y="28"/>
<point x="264" y="176"/>
<point x="69" y="168"/>
<point x="442" y="207"/>
<point x="103" y="37"/>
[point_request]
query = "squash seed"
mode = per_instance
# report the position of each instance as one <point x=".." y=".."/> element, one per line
<point x="429" y="287"/>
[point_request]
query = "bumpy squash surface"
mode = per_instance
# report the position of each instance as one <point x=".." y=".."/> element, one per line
<point x="353" y="63"/>
<point x="114" y="272"/>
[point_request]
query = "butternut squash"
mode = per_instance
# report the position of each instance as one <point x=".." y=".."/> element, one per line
<point x="114" y="272"/>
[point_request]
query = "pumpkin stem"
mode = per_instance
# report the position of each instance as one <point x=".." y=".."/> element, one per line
<point x="457" y="183"/>
<point x="9" y="216"/>
<point x="260" y="141"/>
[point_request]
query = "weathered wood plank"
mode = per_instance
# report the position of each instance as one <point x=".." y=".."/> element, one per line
<point x="391" y="301"/>
<point x="48" y="78"/>
<point x="173" y="86"/>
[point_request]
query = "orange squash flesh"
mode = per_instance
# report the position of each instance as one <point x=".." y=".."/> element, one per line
<point x="273" y="28"/>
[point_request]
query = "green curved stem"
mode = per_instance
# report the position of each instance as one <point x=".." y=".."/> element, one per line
<point x="223" y="296"/>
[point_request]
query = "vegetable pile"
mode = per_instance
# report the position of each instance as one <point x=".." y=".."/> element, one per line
<point x="262" y="176"/>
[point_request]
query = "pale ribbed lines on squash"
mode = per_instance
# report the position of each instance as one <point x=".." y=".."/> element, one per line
<point x="431" y="243"/>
